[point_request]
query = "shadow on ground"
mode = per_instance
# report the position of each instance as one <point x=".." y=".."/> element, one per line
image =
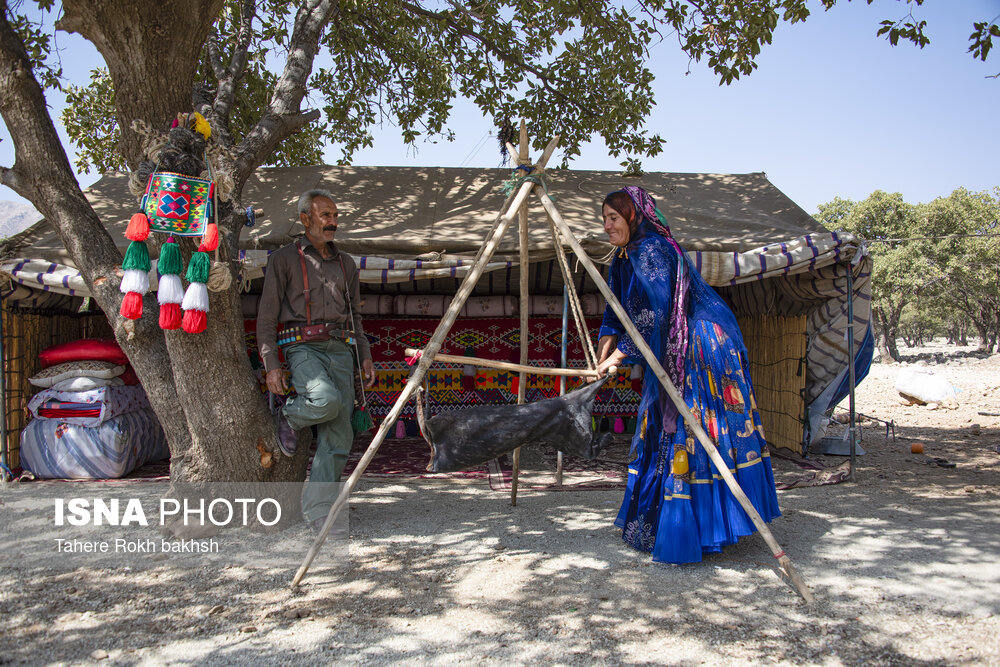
<point x="903" y="564"/>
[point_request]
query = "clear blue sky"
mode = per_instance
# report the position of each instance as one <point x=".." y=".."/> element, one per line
<point x="831" y="111"/>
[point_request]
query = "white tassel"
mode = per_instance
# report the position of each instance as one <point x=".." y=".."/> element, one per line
<point x="196" y="297"/>
<point x="134" y="280"/>
<point x="171" y="289"/>
<point x="636" y="372"/>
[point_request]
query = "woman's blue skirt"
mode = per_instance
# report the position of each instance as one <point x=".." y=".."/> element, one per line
<point x="679" y="510"/>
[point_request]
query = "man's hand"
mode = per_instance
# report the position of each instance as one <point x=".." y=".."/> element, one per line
<point x="276" y="382"/>
<point x="368" y="371"/>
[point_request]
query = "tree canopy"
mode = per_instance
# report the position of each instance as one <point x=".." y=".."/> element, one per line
<point x="573" y="68"/>
<point x="936" y="265"/>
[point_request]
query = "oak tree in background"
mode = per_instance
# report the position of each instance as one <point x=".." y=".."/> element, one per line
<point x="936" y="266"/>
<point x="969" y="255"/>
<point x="279" y="80"/>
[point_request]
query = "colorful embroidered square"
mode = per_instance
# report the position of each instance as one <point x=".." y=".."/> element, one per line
<point x="178" y="204"/>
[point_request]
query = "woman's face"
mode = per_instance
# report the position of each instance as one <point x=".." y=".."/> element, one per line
<point x="616" y="227"/>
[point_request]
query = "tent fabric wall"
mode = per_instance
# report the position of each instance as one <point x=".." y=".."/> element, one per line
<point x="414" y="230"/>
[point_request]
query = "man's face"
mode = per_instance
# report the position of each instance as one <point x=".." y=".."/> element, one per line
<point x="321" y="221"/>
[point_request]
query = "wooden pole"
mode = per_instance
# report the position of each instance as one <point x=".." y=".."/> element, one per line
<point x="694" y="425"/>
<point x="504" y="365"/>
<point x="525" y="300"/>
<point x="503" y="222"/>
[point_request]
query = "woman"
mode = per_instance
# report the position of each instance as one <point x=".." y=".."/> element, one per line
<point x="676" y="504"/>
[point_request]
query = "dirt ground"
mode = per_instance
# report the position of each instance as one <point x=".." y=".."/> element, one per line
<point x="904" y="563"/>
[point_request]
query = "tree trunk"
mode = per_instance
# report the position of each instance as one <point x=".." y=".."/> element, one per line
<point x="151" y="48"/>
<point x="887" y="330"/>
<point x="200" y="386"/>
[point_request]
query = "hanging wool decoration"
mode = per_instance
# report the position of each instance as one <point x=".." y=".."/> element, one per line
<point x="636" y="378"/>
<point x="361" y="421"/>
<point x="619" y="426"/>
<point x="400" y="429"/>
<point x="469" y="372"/>
<point x="195" y="303"/>
<point x="170" y="292"/>
<point x="135" y="282"/>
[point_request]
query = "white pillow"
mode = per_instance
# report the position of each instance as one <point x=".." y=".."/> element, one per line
<point x="72" y="369"/>
<point x="86" y="383"/>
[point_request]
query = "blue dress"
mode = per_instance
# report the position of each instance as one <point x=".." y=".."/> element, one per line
<point x="676" y="504"/>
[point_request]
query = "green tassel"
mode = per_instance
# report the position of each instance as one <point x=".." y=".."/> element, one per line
<point x="361" y="421"/>
<point x="198" y="268"/>
<point x="170" y="260"/>
<point x="136" y="257"/>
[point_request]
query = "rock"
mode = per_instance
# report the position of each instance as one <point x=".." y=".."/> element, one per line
<point x="248" y="628"/>
<point x="291" y="614"/>
<point x="932" y="406"/>
<point x="99" y="654"/>
<point x="975" y="429"/>
<point x="217" y="609"/>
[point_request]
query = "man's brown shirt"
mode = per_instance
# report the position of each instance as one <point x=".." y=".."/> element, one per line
<point x="283" y="300"/>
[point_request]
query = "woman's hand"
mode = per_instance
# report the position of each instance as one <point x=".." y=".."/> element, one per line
<point x="614" y="359"/>
<point x="606" y="346"/>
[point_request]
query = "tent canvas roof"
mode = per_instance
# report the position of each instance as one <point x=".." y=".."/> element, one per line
<point x="403" y="212"/>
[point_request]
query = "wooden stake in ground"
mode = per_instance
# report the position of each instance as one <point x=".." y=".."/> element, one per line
<point x="694" y="425"/>
<point x="503" y="222"/>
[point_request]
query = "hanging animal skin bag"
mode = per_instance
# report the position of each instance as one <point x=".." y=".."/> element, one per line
<point x="177" y="205"/>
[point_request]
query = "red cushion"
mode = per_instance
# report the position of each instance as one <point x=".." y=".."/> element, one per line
<point x="85" y="349"/>
<point x="129" y="377"/>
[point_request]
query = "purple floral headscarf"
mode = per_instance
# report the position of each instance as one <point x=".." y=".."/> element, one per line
<point x="677" y="336"/>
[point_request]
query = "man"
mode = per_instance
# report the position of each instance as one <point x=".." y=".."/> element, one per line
<point x="311" y="282"/>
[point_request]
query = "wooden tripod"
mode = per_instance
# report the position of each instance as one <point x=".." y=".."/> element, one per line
<point x="516" y="204"/>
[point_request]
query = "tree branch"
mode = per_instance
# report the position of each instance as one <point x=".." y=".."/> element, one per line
<point x="215" y="57"/>
<point x="228" y="78"/>
<point x="283" y="115"/>
<point x="10" y="178"/>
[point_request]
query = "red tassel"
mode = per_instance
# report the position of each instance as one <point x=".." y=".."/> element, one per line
<point x="138" y="227"/>
<point x="210" y="241"/>
<point x="468" y="383"/>
<point x="170" y="316"/>
<point x="194" y="321"/>
<point x="637" y="386"/>
<point x="514" y="385"/>
<point x="131" y="306"/>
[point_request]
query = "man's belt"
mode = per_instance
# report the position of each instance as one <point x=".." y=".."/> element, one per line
<point x="308" y="333"/>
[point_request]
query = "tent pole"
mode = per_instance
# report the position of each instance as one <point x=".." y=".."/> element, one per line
<point x="850" y="363"/>
<point x="503" y="365"/>
<point x="694" y="425"/>
<point x="525" y="302"/>
<point x="563" y="347"/>
<point x="503" y="222"/>
<point x="3" y="401"/>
